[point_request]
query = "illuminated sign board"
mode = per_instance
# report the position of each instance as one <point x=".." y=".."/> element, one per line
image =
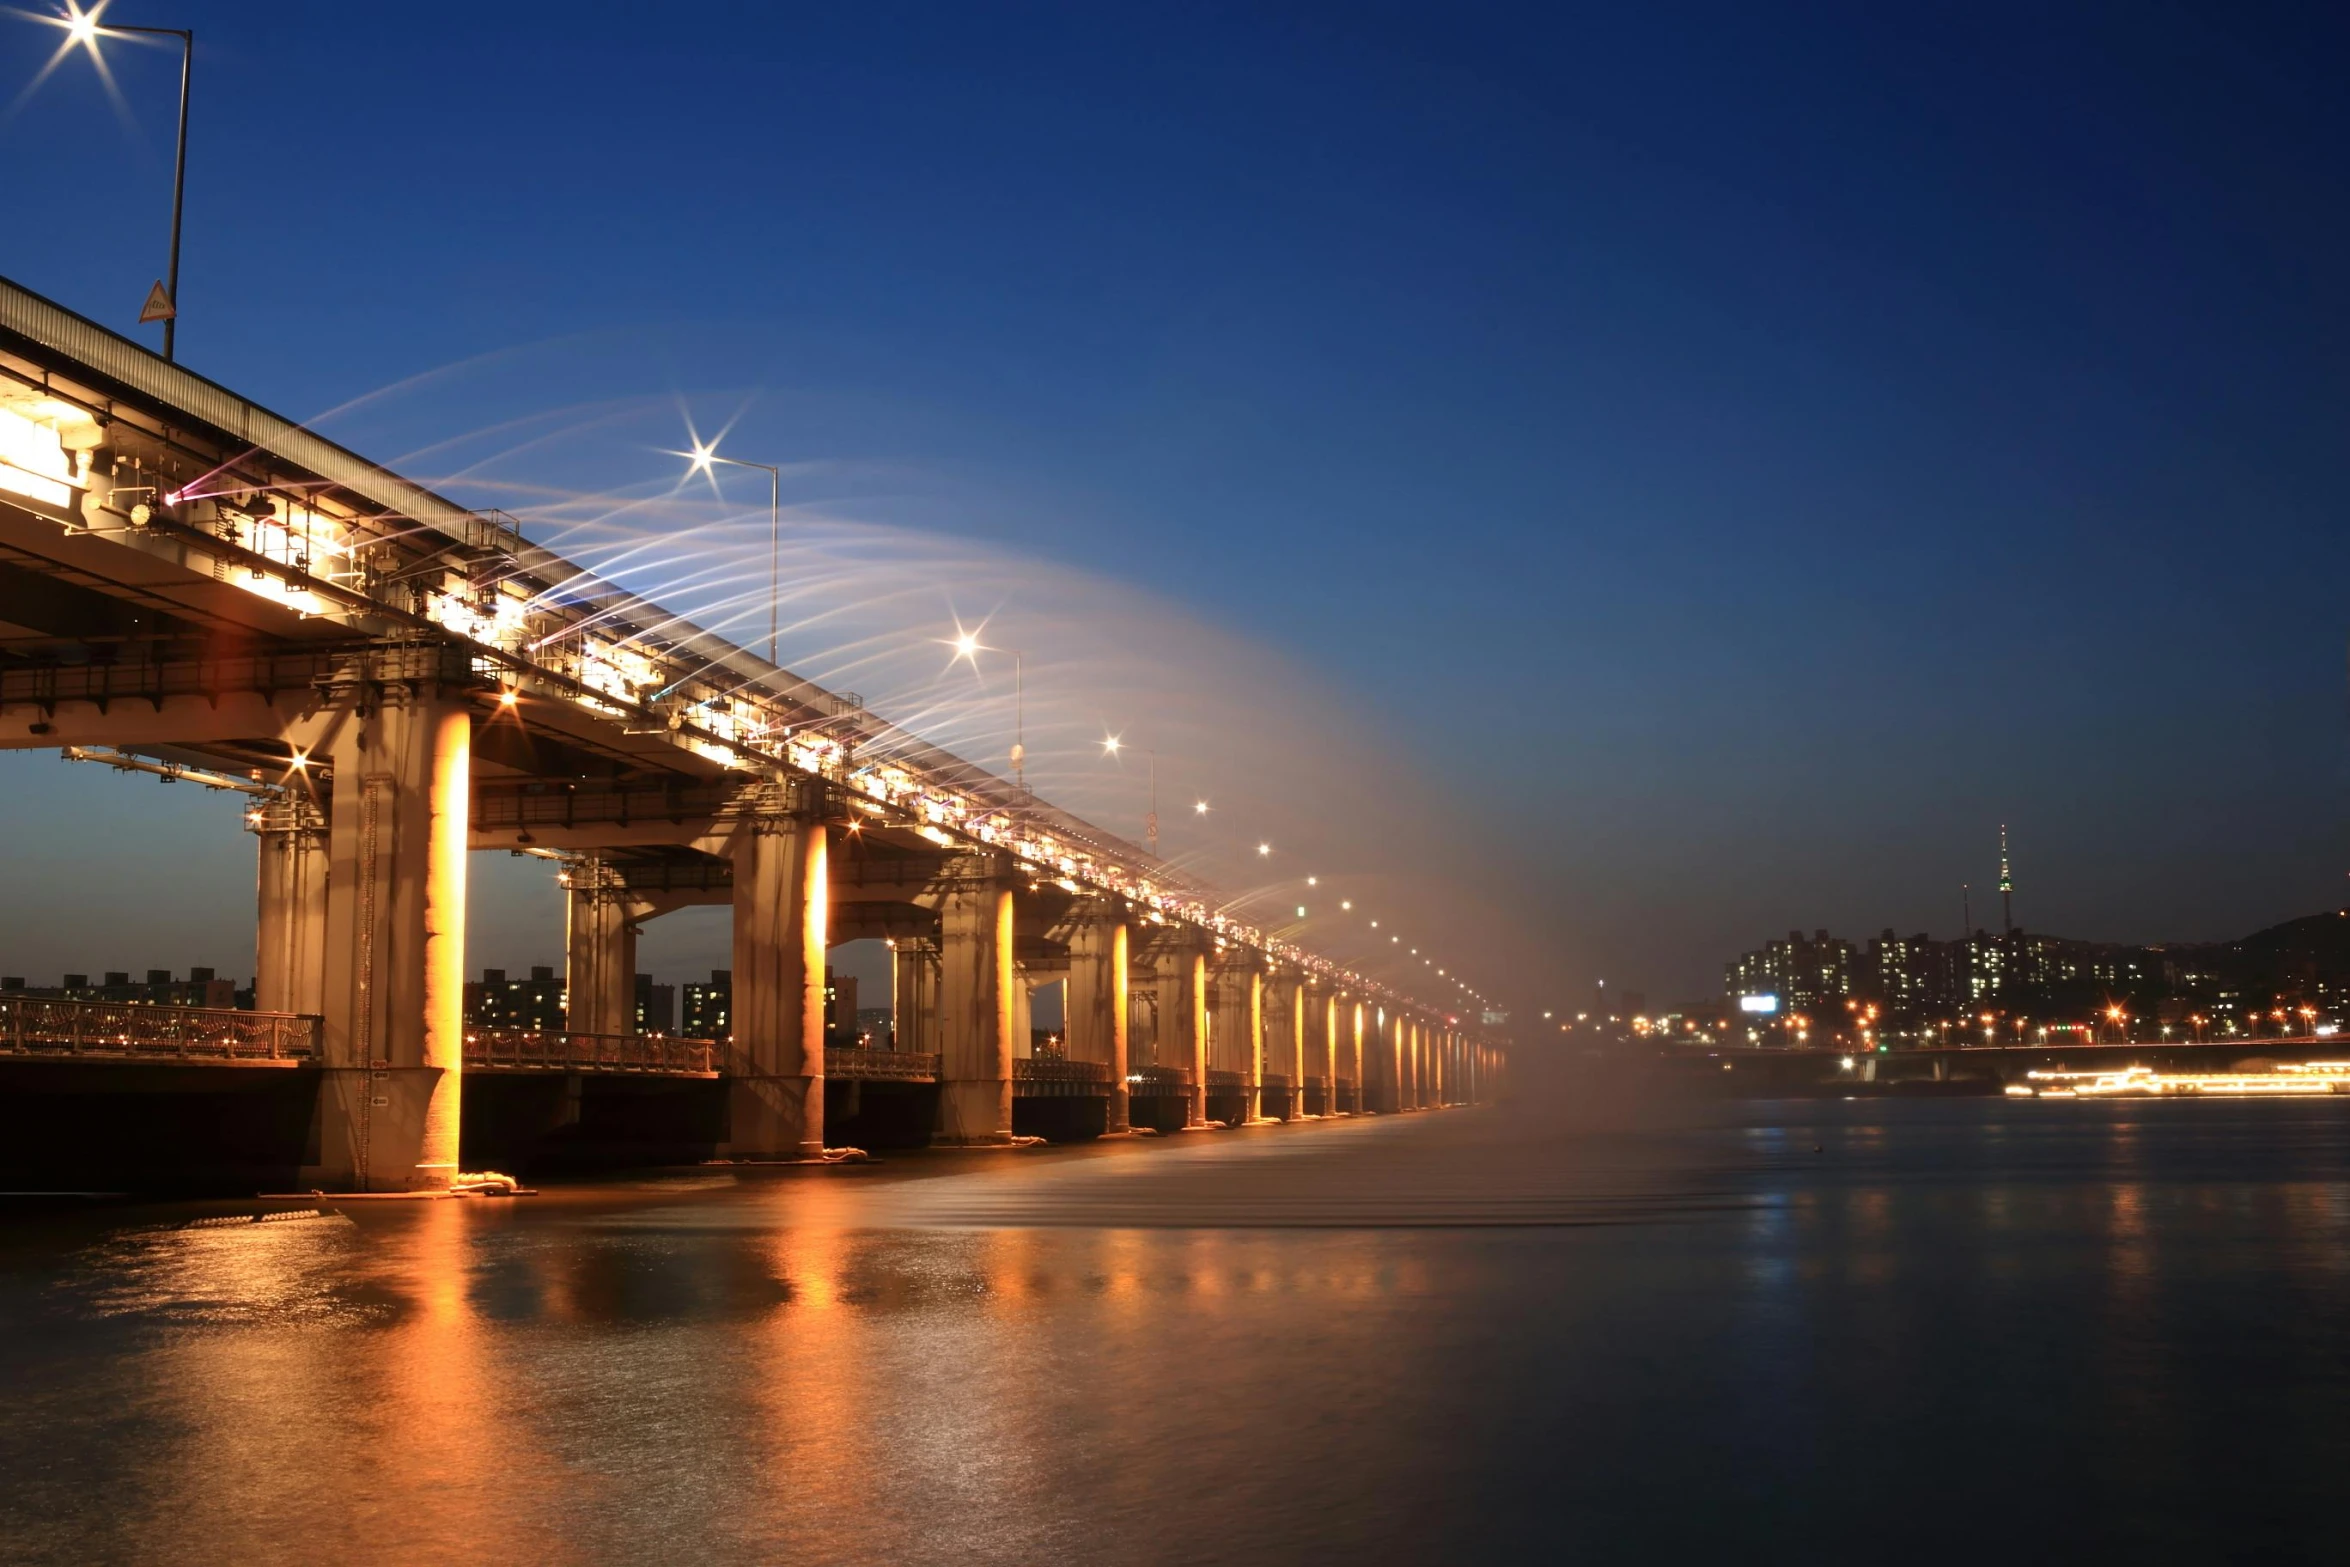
<point x="1765" y="1004"/>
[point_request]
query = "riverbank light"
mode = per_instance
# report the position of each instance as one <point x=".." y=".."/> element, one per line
<point x="1110" y="745"/>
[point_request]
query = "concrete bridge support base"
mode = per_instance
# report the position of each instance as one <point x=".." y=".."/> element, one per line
<point x="1182" y="973"/>
<point x="775" y="1061"/>
<point x="392" y="984"/>
<point x="1095" y="1010"/>
<point x="975" y="1004"/>
<point x="1239" y="984"/>
<point x="599" y="946"/>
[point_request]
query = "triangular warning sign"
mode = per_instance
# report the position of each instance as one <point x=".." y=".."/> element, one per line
<point x="158" y="307"/>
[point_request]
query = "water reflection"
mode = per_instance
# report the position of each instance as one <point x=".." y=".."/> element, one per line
<point x="1420" y="1340"/>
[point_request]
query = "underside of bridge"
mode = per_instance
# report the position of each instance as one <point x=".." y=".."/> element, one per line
<point x="397" y="683"/>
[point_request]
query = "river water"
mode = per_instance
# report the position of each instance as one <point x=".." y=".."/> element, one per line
<point x="1821" y="1332"/>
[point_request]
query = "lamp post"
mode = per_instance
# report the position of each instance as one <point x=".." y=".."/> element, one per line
<point x="703" y="457"/>
<point x="84" y="28"/>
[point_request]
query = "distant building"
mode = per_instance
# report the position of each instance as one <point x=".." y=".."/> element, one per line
<point x="877" y="1027"/>
<point x="656" y="1006"/>
<point x="840" y="1011"/>
<point x="534" y="1005"/>
<point x="1806" y="976"/>
<point x="202" y="988"/>
<point x="709" y="1009"/>
<point x="2290" y="976"/>
<point x="1911" y="974"/>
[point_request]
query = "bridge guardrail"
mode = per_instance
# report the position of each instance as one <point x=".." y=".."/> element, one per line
<point x="1157" y="1081"/>
<point x="1049" y="1077"/>
<point x="881" y="1066"/>
<point x="514" y="1049"/>
<point x="40" y="1025"/>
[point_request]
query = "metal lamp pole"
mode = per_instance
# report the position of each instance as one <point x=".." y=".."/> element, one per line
<point x="179" y="173"/>
<point x="702" y="459"/>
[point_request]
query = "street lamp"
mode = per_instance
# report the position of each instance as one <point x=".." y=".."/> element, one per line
<point x="84" y="28"/>
<point x="967" y="646"/>
<point x="703" y="458"/>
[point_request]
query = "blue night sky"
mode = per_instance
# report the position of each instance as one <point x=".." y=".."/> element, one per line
<point x="1730" y="457"/>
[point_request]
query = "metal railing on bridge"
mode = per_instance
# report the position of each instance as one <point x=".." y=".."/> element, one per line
<point x="881" y="1066"/>
<point x="530" y="1050"/>
<point x="135" y="1031"/>
<point x="1050" y="1077"/>
<point x="1157" y="1082"/>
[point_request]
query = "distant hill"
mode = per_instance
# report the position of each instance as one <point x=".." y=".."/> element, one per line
<point x="2298" y="953"/>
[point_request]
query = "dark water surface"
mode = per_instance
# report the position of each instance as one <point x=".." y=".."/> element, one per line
<point x="1961" y="1330"/>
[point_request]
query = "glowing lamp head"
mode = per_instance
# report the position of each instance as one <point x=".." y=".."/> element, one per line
<point x="1201" y="809"/>
<point x="508" y="697"/>
<point x="966" y="645"/>
<point x="1110" y="745"/>
<point x="82" y="26"/>
<point x="1264" y="848"/>
<point x="701" y="458"/>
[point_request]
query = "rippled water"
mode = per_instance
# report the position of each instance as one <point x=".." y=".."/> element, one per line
<point x="1820" y="1332"/>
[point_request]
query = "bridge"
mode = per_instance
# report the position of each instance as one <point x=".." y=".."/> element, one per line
<point x="190" y="583"/>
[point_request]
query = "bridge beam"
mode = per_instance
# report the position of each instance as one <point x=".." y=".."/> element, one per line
<point x="774" y="1062"/>
<point x="1095" y="1010"/>
<point x="393" y="991"/>
<point x="975" y="1009"/>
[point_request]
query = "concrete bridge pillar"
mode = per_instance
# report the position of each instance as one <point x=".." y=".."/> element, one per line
<point x="914" y="994"/>
<point x="1296" y="1030"/>
<point x="775" y="1057"/>
<point x="599" y="948"/>
<point x="1328" y="1026"/>
<point x="975" y="1003"/>
<point x="1240" y="1025"/>
<point x="1314" y="1044"/>
<point x="392" y="991"/>
<point x="289" y="957"/>
<point x="1096" y="1010"/>
<point x="1354" y="1058"/>
<point x="1182" y="969"/>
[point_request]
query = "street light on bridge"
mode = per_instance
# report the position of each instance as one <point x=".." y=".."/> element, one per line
<point x="968" y="646"/>
<point x="83" y="29"/>
<point x="704" y="459"/>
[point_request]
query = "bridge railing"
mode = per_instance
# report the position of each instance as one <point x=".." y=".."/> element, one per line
<point x="515" y="1049"/>
<point x="1156" y="1081"/>
<point x="881" y="1066"/>
<point x="1050" y="1077"/>
<point x="40" y="1025"/>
